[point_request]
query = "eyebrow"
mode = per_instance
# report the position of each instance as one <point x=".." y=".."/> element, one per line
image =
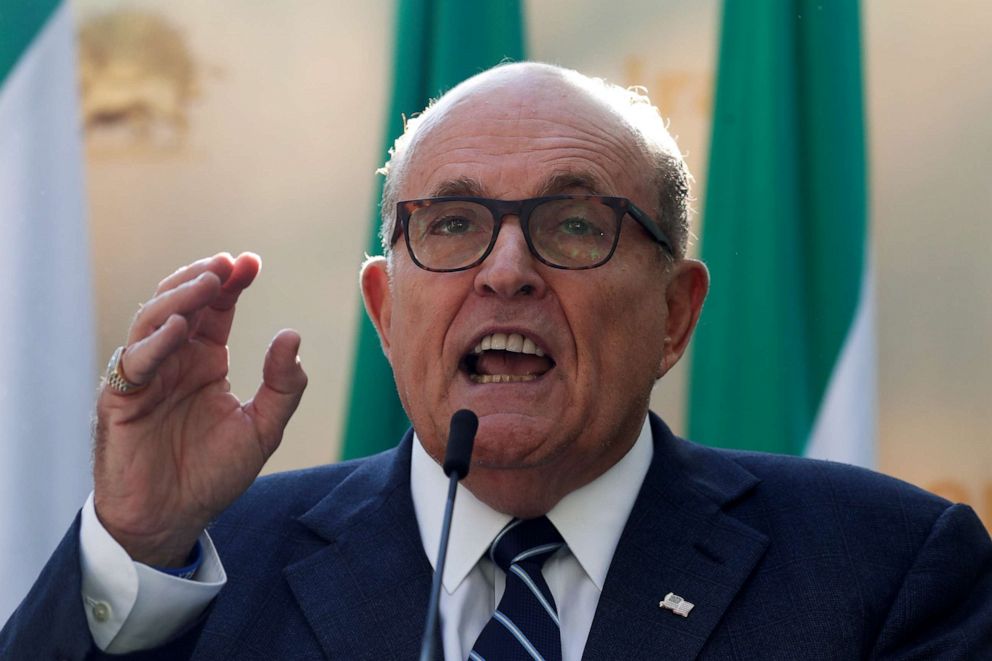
<point x="553" y="184"/>
<point x="559" y="182"/>
<point x="459" y="187"/>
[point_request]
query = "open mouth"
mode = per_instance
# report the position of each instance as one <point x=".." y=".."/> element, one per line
<point x="506" y="358"/>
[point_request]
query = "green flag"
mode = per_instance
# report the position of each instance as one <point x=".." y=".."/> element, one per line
<point x="783" y="359"/>
<point x="439" y="43"/>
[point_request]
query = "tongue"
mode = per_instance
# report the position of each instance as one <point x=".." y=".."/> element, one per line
<point x="514" y="364"/>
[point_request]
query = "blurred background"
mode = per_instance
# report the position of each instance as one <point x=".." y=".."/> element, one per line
<point x="245" y="125"/>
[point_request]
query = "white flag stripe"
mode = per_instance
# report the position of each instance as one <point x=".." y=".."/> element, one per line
<point x="47" y="370"/>
<point x="845" y="425"/>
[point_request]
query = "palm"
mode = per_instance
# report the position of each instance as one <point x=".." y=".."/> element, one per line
<point x="177" y="454"/>
<point x="205" y="446"/>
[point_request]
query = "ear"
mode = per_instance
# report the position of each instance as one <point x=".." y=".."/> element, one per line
<point x="689" y="280"/>
<point x="374" y="279"/>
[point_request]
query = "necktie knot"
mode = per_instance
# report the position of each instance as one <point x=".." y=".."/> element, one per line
<point x="525" y="541"/>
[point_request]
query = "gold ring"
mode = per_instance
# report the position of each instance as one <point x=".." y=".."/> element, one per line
<point x="115" y="376"/>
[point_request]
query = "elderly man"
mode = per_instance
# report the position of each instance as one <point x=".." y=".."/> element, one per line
<point x="535" y="272"/>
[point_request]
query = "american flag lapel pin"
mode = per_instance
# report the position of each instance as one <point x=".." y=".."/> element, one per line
<point x="676" y="604"/>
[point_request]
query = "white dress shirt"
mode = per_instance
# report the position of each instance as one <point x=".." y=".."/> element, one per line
<point x="130" y="606"/>
<point x="590" y="520"/>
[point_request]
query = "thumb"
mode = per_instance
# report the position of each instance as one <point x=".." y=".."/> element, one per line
<point x="283" y="383"/>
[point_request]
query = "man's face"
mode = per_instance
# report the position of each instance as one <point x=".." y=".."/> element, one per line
<point x="578" y="408"/>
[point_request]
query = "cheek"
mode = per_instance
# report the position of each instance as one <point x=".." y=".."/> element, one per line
<point x="424" y="309"/>
<point x="629" y="330"/>
<point x="416" y="330"/>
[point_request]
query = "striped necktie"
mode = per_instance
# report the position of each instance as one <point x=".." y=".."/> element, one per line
<point x="525" y="624"/>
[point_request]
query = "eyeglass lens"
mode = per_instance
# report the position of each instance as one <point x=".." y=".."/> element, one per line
<point x="568" y="233"/>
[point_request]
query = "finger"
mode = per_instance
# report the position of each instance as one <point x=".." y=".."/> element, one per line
<point x="214" y="324"/>
<point x="283" y="383"/>
<point x="142" y="359"/>
<point x="243" y="272"/>
<point x="185" y="299"/>
<point x="221" y="264"/>
<point x="246" y="267"/>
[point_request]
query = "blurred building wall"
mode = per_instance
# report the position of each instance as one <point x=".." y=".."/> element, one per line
<point x="234" y="125"/>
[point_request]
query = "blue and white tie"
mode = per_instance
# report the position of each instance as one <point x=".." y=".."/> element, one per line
<point x="525" y="625"/>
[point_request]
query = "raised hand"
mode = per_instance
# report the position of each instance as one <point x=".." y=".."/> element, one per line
<point x="171" y="456"/>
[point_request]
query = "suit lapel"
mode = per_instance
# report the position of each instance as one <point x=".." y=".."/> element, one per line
<point x="679" y="540"/>
<point x="365" y="594"/>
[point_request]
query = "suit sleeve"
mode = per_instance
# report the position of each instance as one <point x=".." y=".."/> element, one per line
<point x="943" y="609"/>
<point x="50" y="622"/>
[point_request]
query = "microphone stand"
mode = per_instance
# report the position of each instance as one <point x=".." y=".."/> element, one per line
<point x="457" y="459"/>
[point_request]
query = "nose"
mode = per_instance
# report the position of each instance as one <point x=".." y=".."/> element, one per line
<point x="510" y="270"/>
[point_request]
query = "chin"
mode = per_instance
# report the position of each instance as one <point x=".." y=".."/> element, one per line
<point x="512" y="448"/>
<point x="520" y="492"/>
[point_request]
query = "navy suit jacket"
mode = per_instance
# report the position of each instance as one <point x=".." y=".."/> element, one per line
<point x="784" y="558"/>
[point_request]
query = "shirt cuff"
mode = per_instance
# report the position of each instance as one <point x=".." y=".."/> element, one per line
<point x="130" y="606"/>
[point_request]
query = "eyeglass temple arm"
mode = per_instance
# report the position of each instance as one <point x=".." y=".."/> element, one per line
<point x="648" y="223"/>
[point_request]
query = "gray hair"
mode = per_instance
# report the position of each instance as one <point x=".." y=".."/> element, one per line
<point x="643" y="120"/>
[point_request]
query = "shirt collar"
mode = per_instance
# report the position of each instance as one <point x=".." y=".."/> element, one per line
<point x="590" y="519"/>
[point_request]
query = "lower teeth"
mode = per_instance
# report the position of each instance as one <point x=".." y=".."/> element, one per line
<point x="502" y="378"/>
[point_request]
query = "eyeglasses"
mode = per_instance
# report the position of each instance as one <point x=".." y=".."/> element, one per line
<point x="446" y="234"/>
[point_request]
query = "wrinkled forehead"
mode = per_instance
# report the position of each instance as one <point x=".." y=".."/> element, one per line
<point x="510" y="132"/>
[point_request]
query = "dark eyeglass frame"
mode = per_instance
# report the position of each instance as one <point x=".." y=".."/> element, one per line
<point x="522" y="209"/>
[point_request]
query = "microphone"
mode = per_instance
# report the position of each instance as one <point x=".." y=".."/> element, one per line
<point x="457" y="459"/>
<point x="461" y="437"/>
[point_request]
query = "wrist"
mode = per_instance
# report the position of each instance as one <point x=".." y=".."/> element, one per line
<point x="166" y="550"/>
<point x="188" y="570"/>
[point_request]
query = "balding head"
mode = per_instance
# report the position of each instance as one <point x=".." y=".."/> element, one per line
<point x="557" y="360"/>
<point x="631" y="128"/>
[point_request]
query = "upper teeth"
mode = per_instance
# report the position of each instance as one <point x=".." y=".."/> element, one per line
<point x="514" y="342"/>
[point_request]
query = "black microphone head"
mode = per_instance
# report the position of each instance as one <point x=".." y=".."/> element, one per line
<point x="461" y="437"/>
